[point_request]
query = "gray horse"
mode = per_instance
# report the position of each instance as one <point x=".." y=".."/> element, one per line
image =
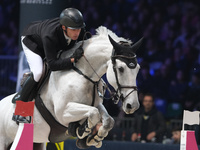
<point x="68" y="95"/>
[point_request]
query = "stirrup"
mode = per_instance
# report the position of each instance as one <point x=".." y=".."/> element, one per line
<point x="20" y="119"/>
<point x="16" y="98"/>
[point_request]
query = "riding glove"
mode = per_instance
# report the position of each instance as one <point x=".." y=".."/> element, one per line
<point x="78" y="54"/>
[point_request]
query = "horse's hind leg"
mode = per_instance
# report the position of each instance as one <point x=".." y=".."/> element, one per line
<point x="5" y="144"/>
<point x="9" y="146"/>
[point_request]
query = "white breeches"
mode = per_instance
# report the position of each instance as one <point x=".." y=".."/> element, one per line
<point x="34" y="60"/>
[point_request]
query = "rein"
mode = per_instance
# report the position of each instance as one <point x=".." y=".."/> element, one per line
<point x="96" y="83"/>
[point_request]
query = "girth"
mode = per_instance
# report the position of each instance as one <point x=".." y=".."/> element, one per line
<point x="57" y="130"/>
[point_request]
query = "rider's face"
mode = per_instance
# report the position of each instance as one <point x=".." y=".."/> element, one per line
<point x="73" y="33"/>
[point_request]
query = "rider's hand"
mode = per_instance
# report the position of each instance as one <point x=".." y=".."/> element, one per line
<point x="78" y="54"/>
<point x="72" y="60"/>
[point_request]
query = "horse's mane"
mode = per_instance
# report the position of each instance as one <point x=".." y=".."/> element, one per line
<point x="103" y="32"/>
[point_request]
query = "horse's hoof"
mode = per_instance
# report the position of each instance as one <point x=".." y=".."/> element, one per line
<point x="84" y="134"/>
<point x="99" y="144"/>
<point x="72" y="128"/>
<point x="83" y="130"/>
<point x="81" y="143"/>
<point x="94" y="140"/>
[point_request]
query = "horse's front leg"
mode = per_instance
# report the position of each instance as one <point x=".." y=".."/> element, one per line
<point x="107" y="125"/>
<point x="87" y="116"/>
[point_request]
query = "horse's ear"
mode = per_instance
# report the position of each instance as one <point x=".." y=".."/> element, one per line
<point x="115" y="45"/>
<point x="137" y="45"/>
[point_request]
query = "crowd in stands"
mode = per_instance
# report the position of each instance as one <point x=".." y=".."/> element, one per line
<point x="169" y="57"/>
<point x="9" y="27"/>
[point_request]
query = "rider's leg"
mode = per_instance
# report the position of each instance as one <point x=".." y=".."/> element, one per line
<point x="26" y="90"/>
<point x="36" y="66"/>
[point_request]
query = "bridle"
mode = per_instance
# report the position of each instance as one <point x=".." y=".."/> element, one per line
<point x="118" y="93"/>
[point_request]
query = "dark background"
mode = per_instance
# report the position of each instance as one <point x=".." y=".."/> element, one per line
<point x="169" y="56"/>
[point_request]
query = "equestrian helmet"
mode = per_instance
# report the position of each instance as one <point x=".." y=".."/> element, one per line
<point x="72" y="18"/>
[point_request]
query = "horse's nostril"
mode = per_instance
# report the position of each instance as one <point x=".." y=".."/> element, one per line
<point x="129" y="106"/>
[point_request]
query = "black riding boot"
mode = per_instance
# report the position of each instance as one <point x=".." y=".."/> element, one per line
<point x="23" y="95"/>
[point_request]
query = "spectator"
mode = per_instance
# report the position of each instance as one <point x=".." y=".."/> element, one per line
<point x="9" y="20"/>
<point x="176" y="135"/>
<point x="161" y="79"/>
<point x="152" y="53"/>
<point x="149" y="124"/>
<point x="178" y="88"/>
<point x="193" y="94"/>
<point x="145" y="79"/>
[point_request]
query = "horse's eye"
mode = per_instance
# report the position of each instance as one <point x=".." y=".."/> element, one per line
<point x="121" y="69"/>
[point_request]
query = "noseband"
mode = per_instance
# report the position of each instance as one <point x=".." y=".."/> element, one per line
<point x="118" y="93"/>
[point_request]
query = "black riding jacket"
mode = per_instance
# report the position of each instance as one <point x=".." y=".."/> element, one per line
<point x="46" y="38"/>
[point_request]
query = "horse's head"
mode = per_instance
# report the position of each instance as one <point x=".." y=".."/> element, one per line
<point x="122" y="73"/>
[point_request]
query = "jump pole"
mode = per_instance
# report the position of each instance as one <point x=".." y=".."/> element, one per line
<point x="24" y="136"/>
<point x="188" y="140"/>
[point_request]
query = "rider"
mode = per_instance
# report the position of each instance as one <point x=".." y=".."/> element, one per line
<point x="44" y="39"/>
